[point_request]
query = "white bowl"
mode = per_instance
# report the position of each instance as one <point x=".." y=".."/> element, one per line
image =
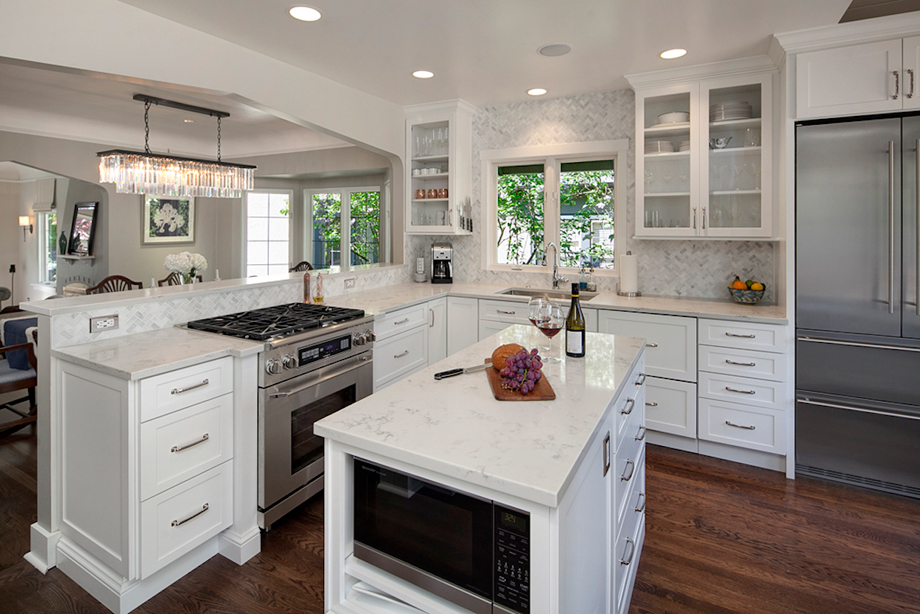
<point x="674" y="117"/>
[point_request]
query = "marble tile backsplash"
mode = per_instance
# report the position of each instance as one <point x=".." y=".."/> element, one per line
<point x="699" y="269"/>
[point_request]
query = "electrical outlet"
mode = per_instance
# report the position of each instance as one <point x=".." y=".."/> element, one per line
<point x="349" y="283"/>
<point x="103" y="323"/>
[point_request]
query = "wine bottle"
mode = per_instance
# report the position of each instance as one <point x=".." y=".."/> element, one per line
<point x="575" y="327"/>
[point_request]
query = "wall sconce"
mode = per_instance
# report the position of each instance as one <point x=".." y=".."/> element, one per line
<point x="25" y="223"/>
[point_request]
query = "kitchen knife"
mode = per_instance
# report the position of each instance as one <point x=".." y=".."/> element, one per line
<point x="454" y="372"/>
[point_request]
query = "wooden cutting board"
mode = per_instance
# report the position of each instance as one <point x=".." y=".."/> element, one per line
<point x="542" y="391"/>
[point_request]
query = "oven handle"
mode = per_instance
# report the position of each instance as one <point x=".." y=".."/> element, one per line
<point x="324" y="374"/>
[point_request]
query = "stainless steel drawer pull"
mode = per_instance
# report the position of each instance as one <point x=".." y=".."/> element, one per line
<point x="751" y="336"/>
<point x="401" y="354"/>
<point x="641" y="434"/>
<point x="203" y="439"/>
<point x="403" y="321"/>
<point x="651" y="404"/>
<point x="630" y="403"/>
<point x="649" y="344"/>
<point x="740" y="391"/>
<point x="507" y="313"/>
<point x="640" y="504"/>
<point x="641" y="379"/>
<point x="741" y="364"/>
<point x="632" y="551"/>
<point x="897" y="84"/>
<point x="179" y="523"/>
<point x="181" y="390"/>
<point x="738" y="426"/>
<point x="859" y="409"/>
<point x="607" y="453"/>
<point x="631" y="466"/>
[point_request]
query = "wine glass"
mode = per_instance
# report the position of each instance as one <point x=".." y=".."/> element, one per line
<point x="547" y="316"/>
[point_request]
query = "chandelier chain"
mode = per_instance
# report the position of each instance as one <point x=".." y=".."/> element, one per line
<point x="218" y="139"/>
<point x="147" y="127"/>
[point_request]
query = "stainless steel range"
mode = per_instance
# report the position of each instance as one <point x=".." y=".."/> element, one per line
<point x="317" y="360"/>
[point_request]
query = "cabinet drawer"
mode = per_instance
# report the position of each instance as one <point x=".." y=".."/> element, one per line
<point x="743" y="426"/>
<point x="503" y="311"/>
<point x="743" y="335"/>
<point x="626" y="548"/>
<point x="180" y="445"/>
<point x="162" y="394"/>
<point x="761" y="393"/>
<point x="670" y="407"/>
<point x="182" y="518"/>
<point x="745" y="363"/>
<point x="670" y="341"/>
<point x="626" y="467"/>
<point x="629" y="412"/>
<point x="395" y="322"/>
<point x="400" y="355"/>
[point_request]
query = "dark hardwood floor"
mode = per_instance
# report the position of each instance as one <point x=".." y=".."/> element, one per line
<point x="721" y="538"/>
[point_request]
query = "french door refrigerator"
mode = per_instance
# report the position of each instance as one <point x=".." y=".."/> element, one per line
<point x="858" y="302"/>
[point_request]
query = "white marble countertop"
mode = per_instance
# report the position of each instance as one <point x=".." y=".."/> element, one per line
<point x="382" y="300"/>
<point x="457" y="428"/>
<point x="154" y="352"/>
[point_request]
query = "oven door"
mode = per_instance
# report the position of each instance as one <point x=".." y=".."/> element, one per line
<point x="290" y="455"/>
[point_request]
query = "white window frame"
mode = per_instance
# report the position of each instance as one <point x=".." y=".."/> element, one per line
<point x="344" y="224"/>
<point x="552" y="156"/>
<point x="244" y="257"/>
<point x="41" y="227"/>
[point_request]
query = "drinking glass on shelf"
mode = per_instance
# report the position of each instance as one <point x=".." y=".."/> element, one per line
<point x="547" y="316"/>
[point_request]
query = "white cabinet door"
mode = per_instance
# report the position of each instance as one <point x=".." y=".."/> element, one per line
<point x="911" y="62"/>
<point x="487" y="328"/>
<point x="849" y="80"/>
<point x="670" y="407"/>
<point x="399" y="356"/>
<point x="437" y="330"/>
<point x="462" y="323"/>
<point x="670" y="340"/>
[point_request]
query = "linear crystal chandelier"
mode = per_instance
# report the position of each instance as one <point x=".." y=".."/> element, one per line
<point x="135" y="172"/>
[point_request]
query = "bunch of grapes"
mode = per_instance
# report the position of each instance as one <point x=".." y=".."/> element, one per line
<point x="522" y="371"/>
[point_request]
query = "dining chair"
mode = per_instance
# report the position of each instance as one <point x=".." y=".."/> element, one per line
<point x="301" y="266"/>
<point x="115" y="283"/>
<point x="173" y="279"/>
<point x="18" y="372"/>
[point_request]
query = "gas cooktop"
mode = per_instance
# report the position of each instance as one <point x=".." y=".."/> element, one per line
<point x="275" y="322"/>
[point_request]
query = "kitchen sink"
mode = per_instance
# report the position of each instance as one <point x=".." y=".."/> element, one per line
<point x="550" y="292"/>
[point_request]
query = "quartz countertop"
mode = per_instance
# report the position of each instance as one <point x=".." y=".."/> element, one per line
<point x="154" y="352"/>
<point x="456" y="427"/>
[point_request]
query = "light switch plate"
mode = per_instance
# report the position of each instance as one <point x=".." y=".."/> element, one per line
<point x="103" y="323"/>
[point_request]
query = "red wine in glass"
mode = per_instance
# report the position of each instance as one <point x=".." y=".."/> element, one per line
<point x="550" y="329"/>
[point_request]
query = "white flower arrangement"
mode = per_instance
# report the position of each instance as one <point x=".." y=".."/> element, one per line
<point x="186" y="264"/>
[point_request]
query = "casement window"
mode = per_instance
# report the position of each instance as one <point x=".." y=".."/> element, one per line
<point x="564" y="194"/>
<point x="343" y="221"/>
<point x="47" y="246"/>
<point x="267" y="232"/>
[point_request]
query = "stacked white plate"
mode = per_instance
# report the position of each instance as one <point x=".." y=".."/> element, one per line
<point x="685" y="146"/>
<point x="733" y="109"/>
<point x="659" y="147"/>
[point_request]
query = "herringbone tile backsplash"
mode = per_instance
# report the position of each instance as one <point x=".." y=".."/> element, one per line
<point x="699" y="269"/>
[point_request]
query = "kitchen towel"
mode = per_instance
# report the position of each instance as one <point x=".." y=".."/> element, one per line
<point x="629" y="273"/>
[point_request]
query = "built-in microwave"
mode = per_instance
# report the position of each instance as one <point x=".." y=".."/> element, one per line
<point x="470" y="551"/>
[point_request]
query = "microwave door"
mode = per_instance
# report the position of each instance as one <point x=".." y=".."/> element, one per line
<point x="910" y="191"/>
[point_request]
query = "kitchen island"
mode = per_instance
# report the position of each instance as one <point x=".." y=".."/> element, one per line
<point x="574" y="464"/>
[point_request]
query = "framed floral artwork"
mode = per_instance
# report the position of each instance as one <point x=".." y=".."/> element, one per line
<point x="168" y="219"/>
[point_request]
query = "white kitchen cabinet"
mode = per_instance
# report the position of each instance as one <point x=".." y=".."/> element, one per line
<point x="670" y="340"/>
<point x="874" y="77"/>
<point x="400" y="355"/>
<point x="496" y="315"/>
<point x="670" y="407"/>
<point x="439" y="154"/>
<point x="462" y="323"/>
<point x="684" y="187"/>
<point x="437" y="330"/>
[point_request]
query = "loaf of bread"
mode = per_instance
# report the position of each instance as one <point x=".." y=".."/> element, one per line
<point x="502" y="352"/>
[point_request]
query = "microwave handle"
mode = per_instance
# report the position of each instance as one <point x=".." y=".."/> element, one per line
<point x="323" y="375"/>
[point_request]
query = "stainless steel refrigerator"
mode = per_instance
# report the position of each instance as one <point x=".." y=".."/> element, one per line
<point x="858" y="302"/>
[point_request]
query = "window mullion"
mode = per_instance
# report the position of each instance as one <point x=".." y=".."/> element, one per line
<point x="345" y="258"/>
<point x="551" y="203"/>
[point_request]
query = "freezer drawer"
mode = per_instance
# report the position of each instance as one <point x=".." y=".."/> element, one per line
<point x="863" y="443"/>
<point x="858" y="366"/>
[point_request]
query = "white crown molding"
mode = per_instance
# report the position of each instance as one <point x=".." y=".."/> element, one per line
<point x="461" y="106"/>
<point x="852" y="33"/>
<point x="698" y="72"/>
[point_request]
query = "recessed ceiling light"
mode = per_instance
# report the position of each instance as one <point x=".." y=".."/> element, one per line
<point x="673" y="54"/>
<point x="537" y="91"/>
<point x="423" y="74"/>
<point x="555" y="49"/>
<point x="189" y="121"/>
<point x="305" y="13"/>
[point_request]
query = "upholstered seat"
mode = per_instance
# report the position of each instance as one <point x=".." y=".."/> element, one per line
<point x="9" y="374"/>
<point x="18" y="368"/>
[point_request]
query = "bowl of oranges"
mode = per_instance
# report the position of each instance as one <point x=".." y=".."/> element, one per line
<point x="746" y="292"/>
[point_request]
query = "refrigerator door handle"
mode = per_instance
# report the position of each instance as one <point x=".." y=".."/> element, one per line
<point x="879" y="346"/>
<point x="859" y="409"/>
<point x="891" y="237"/>
<point x="917" y="220"/>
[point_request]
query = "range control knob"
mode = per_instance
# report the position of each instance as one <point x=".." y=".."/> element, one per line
<point x="360" y="339"/>
<point x="289" y="361"/>
<point x="272" y="366"/>
<point x="370" y="335"/>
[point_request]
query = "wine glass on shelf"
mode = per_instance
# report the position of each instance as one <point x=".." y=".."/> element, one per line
<point x="546" y="316"/>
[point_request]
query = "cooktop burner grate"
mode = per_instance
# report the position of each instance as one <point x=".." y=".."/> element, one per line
<point x="278" y="321"/>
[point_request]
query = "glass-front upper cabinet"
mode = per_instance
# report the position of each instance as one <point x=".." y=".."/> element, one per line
<point x="703" y="159"/>
<point x="439" y="154"/>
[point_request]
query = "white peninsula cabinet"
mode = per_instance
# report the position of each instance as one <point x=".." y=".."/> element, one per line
<point x="582" y="488"/>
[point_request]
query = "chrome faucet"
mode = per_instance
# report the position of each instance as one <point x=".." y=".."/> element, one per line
<point x="556" y="277"/>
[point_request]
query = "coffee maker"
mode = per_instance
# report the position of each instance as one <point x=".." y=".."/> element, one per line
<point x="441" y="270"/>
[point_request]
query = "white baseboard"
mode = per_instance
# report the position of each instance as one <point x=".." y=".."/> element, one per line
<point x="240" y="548"/>
<point x="43" y="548"/>
<point x="755" y="458"/>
